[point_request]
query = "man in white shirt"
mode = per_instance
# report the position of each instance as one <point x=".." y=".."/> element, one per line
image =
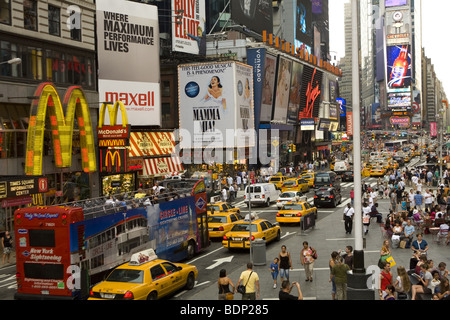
<point x="414" y="180"/>
<point x="428" y="199"/>
<point x="348" y="218"/>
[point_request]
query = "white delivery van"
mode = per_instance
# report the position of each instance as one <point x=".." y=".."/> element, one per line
<point x="261" y="194"/>
<point x="340" y="166"/>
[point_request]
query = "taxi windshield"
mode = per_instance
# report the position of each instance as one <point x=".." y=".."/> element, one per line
<point x="217" y="219"/>
<point x="213" y="208"/>
<point x="292" y="207"/>
<point x="126" y="275"/>
<point x="290" y="182"/>
<point x="244" y="227"/>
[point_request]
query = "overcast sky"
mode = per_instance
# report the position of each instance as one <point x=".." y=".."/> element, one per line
<point x="434" y="32"/>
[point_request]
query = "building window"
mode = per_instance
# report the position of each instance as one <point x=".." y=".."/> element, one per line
<point x="5" y="11"/>
<point x="54" y="20"/>
<point x="30" y="14"/>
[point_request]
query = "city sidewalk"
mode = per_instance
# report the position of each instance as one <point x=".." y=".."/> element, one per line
<point x="12" y="260"/>
<point x="328" y="236"/>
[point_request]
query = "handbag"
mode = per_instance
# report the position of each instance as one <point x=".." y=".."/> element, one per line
<point x="314" y="253"/>
<point x="229" y="296"/>
<point x="402" y="244"/>
<point x="241" y="288"/>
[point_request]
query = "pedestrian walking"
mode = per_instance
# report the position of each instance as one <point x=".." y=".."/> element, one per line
<point x="339" y="271"/>
<point x="224" y="284"/>
<point x="349" y="213"/>
<point x="385" y="279"/>
<point x="331" y="264"/>
<point x="366" y="218"/>
<point x="307" y="257"/>
<point x="285" y="263"/>
<point x="7" y="246"/>
<point x="250" y="283"/>
<point x="274" y="269"/>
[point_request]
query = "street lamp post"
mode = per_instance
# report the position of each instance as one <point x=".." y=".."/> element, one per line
<point x="359" y="252"/>
<point x="12" y="61"/>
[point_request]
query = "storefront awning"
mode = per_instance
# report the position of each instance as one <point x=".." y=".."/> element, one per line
<point x="159" y="167"/>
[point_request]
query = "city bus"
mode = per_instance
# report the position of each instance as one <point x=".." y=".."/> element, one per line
<point x="62" y="250"/>
<point x="395" y="145"/>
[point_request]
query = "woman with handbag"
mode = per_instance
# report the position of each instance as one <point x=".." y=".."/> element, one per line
<point x="307" y="257"/>
<point x="224" y="284"/>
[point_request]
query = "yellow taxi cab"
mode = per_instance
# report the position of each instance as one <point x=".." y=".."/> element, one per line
<point x="384" y="164"/>
<point x="377" y="171"/>
<point x="221" y="207"/>
<point x="368" y="165"/>
<point x="309" y="176"/>
<point x="277" y="180"/>
<point x="292" y="212"/>
<point x="145" y="277"/>
<point x="295" y="184"/>
<point x="393" y="164"/>
<point x="222" y="222"/>
<point x="332" y="164"/>
<point x="239" y="236"/>
<point x="407" y="157"/>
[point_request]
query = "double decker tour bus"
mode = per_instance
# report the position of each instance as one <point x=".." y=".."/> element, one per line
<point x="61" y="250"/>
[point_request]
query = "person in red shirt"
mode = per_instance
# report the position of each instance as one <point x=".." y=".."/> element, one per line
<point x="386" y="279"/>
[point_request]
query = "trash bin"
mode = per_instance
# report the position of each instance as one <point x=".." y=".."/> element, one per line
<point x="259" y="252"/>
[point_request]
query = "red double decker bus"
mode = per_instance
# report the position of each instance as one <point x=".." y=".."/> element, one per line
<point x="61" y="250"/>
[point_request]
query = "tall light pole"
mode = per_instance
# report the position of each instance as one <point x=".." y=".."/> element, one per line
<point x="358" y="252"/>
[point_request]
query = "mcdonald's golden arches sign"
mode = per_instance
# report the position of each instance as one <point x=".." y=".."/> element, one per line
<point x="47" y="101"/>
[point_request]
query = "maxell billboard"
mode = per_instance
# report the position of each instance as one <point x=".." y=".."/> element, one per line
<point x="128" y="58"/>
<point x="188" y="26"/>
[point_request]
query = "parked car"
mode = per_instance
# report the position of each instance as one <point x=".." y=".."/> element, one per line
<point x="327" y="197"/>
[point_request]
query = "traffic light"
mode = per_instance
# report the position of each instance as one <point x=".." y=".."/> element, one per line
<point x="290" y="148"/>
<point x="294" y="148"/>
<point x="373" y="136"/>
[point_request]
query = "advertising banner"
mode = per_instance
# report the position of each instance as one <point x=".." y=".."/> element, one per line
<point x="402" y="122"/>
<point x="257" y="15"/>
<point x="417" y="116"/>
<point x="349" y="123"/>
<point x="398" y="67"/>
<point x="399" y="101"/>
<point x="433" y="129"/>
<point x="310" y="92"/>
<point x="215" y="97"/>
<point x="294" y="95"/>
<point x="270" y="66"/>
<point x="342" y="103"/>
<point x="256" y="59"/>
<point x="282" y="89"/>
<point x="307" y="124"/>
<point x="376" y="115"/>
<point x="395" y="3"/>
<point x="113" y="160"/>
<point x="128" y="58"/>
<point x="188" y="27"/>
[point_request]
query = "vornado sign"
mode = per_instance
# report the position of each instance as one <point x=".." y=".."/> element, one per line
<point x="47" y="101"/>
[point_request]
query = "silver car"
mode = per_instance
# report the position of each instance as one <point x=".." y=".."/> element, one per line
<point x="287" y="196"/>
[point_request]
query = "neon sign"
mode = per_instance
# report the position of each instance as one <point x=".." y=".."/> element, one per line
<point x="47" y="100"/>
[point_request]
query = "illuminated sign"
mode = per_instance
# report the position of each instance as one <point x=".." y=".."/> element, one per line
<point x="309" y="104"/>
<point x="22" y="187"/>
<point x="113" y="135"/>
<point x="47" y="101"/>
<point x="113" y="160"/>
<point x="349" y="123"/>
<point x="404" y="122"/>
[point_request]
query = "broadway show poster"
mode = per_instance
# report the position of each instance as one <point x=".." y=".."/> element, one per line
<point x="256" y="15"/>
<point x="270" y="67"/>
<point x="188" y="26"/>
<point x="294" y="95"/>
<point x="282" y="90"/>
<point x="209" y="104"/>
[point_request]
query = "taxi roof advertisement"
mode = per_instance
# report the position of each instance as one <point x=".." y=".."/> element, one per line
<point x="128" y="58"/>
<point x="216" y="105"/>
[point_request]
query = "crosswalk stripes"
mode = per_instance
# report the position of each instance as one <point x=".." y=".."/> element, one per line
<point x="8" y="281"/>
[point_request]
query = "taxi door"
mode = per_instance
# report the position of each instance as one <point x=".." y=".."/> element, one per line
<point x="161" y="282"/>
<point x="269" y="233"/>
<point x="174" y="275"/>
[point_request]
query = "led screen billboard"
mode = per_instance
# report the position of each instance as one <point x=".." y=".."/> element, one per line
<point x="303" y="23"/>
<point x="398" y="67"/>
<point x="257" y="15"/>
<point x="395" y="3"/>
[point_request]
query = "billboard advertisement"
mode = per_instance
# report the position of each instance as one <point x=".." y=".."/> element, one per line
<point x="303" y="24"/>
<point x="283" y="86"/>
<point x="257" y="15"/>
<point x="417" y="115"/>
<point x="398" y="67"/>
<point x="270" y="66"/>
<point x="395" y="3"/>
<point x="342" y="103"/>
<point x="310" y="92"/>
<point x="399" y="101"/>
<point x="214" y="97"/>
<point x="376" y="115"/>
<point x="294" y="95"/>
<point x="188" y="27"/>
<point x="128" y="58"/>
